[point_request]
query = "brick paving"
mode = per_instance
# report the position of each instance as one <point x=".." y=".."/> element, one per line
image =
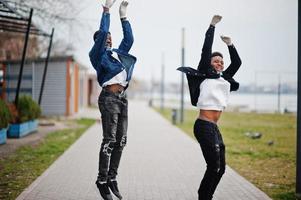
<point x="159" y="162"/>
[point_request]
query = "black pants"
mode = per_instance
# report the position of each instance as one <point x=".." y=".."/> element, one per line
<point x="114" y="114"/>
<point x="213" y="148"/>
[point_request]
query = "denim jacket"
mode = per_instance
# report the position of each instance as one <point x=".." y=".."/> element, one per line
<point x="205" y="70"/>
<point x="104" y="63"/>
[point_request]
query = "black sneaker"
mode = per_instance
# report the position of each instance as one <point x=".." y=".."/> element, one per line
<point x="104" y="190"/>
<point x="114" y="188"/>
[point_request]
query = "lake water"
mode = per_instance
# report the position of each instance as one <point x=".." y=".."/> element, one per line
<point x="241" y="102"/>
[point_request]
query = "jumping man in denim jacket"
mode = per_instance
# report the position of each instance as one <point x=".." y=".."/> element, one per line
<point x="114" y="68"/>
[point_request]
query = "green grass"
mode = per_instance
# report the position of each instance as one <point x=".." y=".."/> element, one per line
<point x="270" y="168"/>
<point x="20" y="169"/>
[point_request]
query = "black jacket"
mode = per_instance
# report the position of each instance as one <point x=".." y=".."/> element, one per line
<point x="205" y="70"/>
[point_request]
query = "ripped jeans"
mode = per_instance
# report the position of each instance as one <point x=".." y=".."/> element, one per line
<point x="213" y="148"/>
<point x="114" y="113"/>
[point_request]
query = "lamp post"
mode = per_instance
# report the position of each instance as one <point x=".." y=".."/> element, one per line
<point x="162" y="82"/>
<point x="182" y="77"/>
<point x="298" y="153"/>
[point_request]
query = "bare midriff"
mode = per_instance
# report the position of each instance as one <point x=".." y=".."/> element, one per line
<point x="210" y="115"/>
<point x="115" y="88"/>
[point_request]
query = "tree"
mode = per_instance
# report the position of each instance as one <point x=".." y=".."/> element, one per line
<point x="47" y="14"/>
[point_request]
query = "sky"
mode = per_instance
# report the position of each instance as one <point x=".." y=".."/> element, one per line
<point x="264" y="33"/>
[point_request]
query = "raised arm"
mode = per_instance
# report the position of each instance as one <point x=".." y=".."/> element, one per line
<point x="128" y="38"/>
<point x="235" y="59"/>
<point x="207" y="46"/>
<point x="101" y="35"/>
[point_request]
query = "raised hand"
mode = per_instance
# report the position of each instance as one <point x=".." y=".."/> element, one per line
<point x="215" y="19"/>
<point x="123" y="8"/>
<point x="226" y="40"/>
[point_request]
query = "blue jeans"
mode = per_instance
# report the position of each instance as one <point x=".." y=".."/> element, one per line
<point x="114" y="114"/>
<point x="213" y="148"/>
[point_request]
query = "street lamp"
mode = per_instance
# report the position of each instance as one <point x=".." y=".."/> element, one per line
<point x="298" y="155"/>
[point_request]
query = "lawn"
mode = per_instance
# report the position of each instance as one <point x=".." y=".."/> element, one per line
<point x="268" y="162"/>
<point x="20" y="169"/>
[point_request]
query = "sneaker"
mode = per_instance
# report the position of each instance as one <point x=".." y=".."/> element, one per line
<point x="114" y="188"/>
<point x="104" y="190"/>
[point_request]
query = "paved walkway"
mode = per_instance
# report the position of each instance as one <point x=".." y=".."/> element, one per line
<point x="159" y="162"/>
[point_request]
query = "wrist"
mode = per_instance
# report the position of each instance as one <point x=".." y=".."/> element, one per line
<point x="229" y="43"/>
<point x="213" y="23"/>
<point x="106" y="9"/>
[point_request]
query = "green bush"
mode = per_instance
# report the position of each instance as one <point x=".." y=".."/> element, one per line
<point x="28" y="109"/>
<point x="5" y="115"/>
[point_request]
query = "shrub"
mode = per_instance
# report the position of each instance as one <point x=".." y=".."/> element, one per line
<point x="28" y="109"/>
<point x="5" y="115"/>
<point x="14" y="113"/>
